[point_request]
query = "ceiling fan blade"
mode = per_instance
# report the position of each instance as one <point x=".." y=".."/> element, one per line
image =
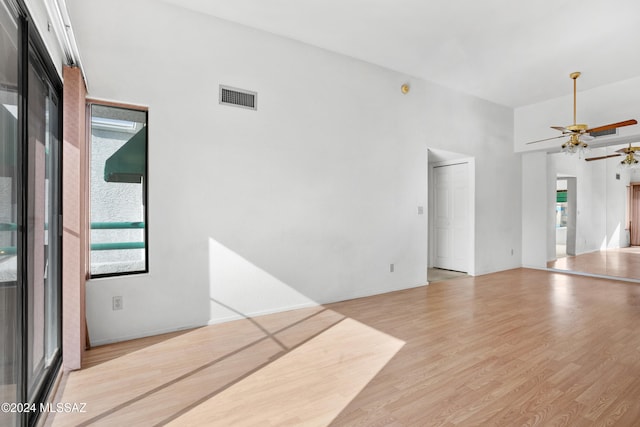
<point x="547" y="139"/>
<point x="602" y="157"/>
<point x="612" y="126"/>
<point x="629" y="149"/>
<point x="561" y="129"/>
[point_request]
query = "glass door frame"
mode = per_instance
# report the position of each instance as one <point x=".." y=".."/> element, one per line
<point x="32" y="53"/>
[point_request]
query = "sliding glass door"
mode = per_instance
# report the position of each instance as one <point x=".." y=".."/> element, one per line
<point x="9" y="307"/>
<point x="42" y="229"/>
<point x="30" y="309"/>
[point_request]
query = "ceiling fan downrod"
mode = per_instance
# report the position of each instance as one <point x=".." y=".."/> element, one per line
<point x="574" y="76"/>
<point x="578" y="131"/>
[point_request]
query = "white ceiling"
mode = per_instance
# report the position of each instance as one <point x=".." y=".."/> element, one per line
<point x="508" y="51"/>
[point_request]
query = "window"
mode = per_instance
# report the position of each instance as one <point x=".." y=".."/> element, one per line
<point x="118" y="190"/>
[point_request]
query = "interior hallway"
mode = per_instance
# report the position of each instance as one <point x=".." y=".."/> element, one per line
<point x="511" y="348"/>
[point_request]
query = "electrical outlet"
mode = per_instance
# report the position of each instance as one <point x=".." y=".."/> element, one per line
<point x="117" y="303"/>
<point x="391" y="268"/>
<point x="420" y="210"/>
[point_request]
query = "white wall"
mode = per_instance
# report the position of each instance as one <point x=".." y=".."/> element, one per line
<point x="307" y="200"/>
<point x="535" y="209"/>
<point x="479" y="129"/>
<point x="616" y="203"/>
<point x="551" y="200"/>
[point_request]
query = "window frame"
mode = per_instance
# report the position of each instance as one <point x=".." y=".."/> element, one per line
<point x="90" y="102"/>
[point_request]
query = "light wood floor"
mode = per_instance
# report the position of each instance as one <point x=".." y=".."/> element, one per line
<point x="623" y="262"/>
<point x="522" y="347"/>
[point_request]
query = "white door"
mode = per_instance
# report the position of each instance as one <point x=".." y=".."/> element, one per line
<point x="451" y="211"/>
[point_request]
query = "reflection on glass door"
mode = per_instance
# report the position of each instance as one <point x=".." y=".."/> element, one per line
<point x="9" y="355"/>
<point x="42" y="229"/>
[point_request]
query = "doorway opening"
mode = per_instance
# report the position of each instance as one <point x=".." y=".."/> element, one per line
<point x="451" y="215"/>
<point x="565" y="217"/>
<point x="633" y="213"/>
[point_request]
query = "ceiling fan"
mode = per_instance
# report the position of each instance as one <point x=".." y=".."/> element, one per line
<point x="579" y="133"/>
<point x="629" y="153"/>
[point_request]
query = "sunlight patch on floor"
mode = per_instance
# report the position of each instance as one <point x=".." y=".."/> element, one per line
<point x="313" y="361"/>
<point x="312" y="384"/>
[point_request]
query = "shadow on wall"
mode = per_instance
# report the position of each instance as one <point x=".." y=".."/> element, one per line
<point x="239" y="289"/>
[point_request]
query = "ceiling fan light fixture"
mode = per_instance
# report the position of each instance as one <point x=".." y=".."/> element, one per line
<point x="629" y="162"/>
<point x="575" y="145"/>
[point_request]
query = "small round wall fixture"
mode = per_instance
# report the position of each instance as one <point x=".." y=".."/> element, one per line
<point x="405" y="88"/>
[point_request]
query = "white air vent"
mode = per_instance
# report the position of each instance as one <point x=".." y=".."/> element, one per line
<point x="238" y="97"/>
<point x="604" y="133"/>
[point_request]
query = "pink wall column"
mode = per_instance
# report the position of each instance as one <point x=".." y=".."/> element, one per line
<point x="74" y="223"/>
